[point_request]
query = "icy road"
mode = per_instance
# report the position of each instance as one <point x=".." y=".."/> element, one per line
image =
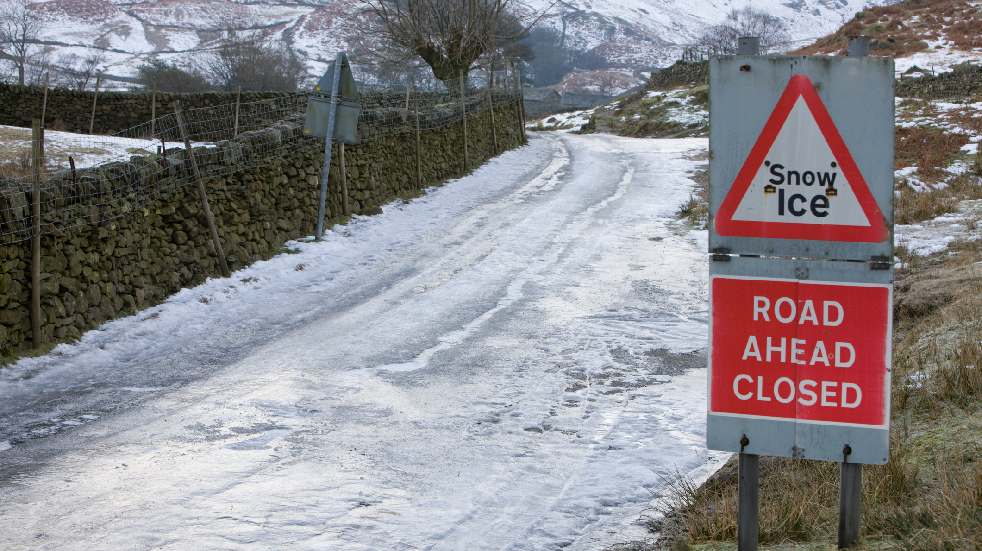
<point x="512" y="362"/>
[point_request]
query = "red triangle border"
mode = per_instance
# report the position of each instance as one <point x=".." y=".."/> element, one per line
<point x="801" y="86"/>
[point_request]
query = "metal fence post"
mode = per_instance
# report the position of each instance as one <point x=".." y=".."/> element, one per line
<point x="36" y="234"/>
<point x="202" y="192"/>
<point x="749" y="499"/>
<point x="850" y="497"/>
<point x="328" y="141"/>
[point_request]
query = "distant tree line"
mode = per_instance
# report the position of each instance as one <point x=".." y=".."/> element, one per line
<point x="239" y="61"/>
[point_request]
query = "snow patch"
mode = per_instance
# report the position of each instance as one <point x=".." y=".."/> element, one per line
<point x="933" y="236"/>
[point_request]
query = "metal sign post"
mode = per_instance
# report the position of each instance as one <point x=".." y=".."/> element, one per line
<point x="801" y="276"/>
<point x="340" y="112"/>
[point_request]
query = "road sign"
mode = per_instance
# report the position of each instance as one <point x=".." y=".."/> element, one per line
<point x="321" y="105"/>
<point x="334" y="116"/>
<point x="800" y="180"/>
<point x="801" y="155"/>
<point x="801" y="271"/>
<point x="799" y="359"/>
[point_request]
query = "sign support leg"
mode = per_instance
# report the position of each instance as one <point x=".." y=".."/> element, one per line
<point x="328" y="141"/>
<point x="749" y="499"/>
<point x="850" y="496"/>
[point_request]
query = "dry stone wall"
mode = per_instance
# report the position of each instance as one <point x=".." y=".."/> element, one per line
<point x="100" y="271"/>
<point x="71" y="110"/>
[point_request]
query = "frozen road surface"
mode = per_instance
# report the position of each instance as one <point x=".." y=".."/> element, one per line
<point x="512" y="362"/>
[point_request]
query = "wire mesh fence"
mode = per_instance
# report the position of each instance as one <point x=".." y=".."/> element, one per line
<point x="90" y="180"/>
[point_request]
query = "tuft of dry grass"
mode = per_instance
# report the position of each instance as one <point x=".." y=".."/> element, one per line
<point x="915" y="206"/>
<point x="696" y="208"/>
<point x="17" y="167"/>
<point x="929" y="149"/>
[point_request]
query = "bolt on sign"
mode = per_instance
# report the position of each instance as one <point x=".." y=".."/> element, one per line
<point x="801" y="187"/>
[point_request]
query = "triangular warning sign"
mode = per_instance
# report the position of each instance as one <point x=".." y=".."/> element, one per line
<point x="800" y="181"/>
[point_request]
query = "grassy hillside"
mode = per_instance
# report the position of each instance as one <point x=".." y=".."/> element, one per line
<point x="909" y="27"/>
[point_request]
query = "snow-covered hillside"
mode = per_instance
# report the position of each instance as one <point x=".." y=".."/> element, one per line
<point x="650" y="32"/>
<point x="631" y="33"/>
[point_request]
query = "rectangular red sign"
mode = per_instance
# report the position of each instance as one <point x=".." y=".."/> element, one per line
<point x="800" y="350"/>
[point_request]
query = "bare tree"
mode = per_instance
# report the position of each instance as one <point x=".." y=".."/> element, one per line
<point x="159" y="75"/>
<point x="253" y="64"/>
<point x="38" y="69"/>
<point x="748" y="21"/>
<point x="449" y="36"/>
<point x="20" y="29"/>
<point x="77" y="72"/>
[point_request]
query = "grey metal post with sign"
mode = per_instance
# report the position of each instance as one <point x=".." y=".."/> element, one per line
<point x="332" y="117"/>
<point x="801" y="270"/>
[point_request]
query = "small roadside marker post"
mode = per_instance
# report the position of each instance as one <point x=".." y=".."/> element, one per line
<point x="801" y="271"/>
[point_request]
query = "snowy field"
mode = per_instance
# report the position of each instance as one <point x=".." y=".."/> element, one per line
<point x="87" y="150"/>
<point x="512" y="362"/>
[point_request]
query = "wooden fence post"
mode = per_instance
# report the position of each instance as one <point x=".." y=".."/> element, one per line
<point x="95" y="99"/>
<point x="494" y="127"/>
<point x="44" y="102"/>
<point x="71" y="168"/>
<point x="202" y="192"/>
<point x="419" y="153"/>
<point x="238" y="101"/>
<point x="463" y="117"/>
<point x="519" y="108"/>
<point x="44" y="112"/>
<point x="521" y="100"/>
<point x="344" y="180"/>
<point x="153" y="112"/>
<point x="36" y="235"/>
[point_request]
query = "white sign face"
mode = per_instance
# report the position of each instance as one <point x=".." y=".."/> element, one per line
<point x="800" y="180"/>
